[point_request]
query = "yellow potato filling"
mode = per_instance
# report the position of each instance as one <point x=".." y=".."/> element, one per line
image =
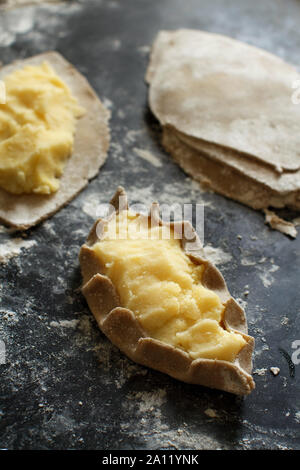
<point x="159" y="283"/>
<point x="37" y="127"/>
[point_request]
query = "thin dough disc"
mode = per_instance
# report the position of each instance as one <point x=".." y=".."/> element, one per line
<point x="228" y="93"/>
<point x="90" y="149"/>
<point x="224" y="178"/>
<point x="282" y="183"/>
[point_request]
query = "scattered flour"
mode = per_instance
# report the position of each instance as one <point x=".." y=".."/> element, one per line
<point x="151" y="423"/>
<point x="121" y="114"/>
<point x="266" y="275"/>
<point x="93" y="207"/>
<point x="148" y="401"/>
<point x="115" y="44"/>
<point x="107" y="103"/>
<point x="247" y="262"/>
<point x="50" y="13"/>
<point x="260" y="371"/>
<point x="264" y="266"/>
<point x="13" y="248"/>
<point x="18" y="3"/>
<point x="148" y="156"/>
<point x="144" y="50"/>
<point x="133" y="135"/>
<point x="216" y="255"/>
<point x="13" y="24"/>
<point x="65" y="323"/>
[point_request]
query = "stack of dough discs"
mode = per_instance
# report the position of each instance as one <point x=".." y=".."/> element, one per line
<point x="227" y="115"/>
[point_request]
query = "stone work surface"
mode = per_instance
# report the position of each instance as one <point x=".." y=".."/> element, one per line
<point x="63" y="385"/>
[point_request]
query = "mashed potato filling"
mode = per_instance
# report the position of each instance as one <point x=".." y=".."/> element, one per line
<point x="37" y="127"/>
<point x="159" y="283"/>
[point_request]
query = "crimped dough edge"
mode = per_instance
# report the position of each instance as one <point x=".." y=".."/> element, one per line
<point x="123" y="329"/>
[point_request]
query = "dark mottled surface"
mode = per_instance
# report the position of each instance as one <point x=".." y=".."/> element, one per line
<point x="63" y="384"/>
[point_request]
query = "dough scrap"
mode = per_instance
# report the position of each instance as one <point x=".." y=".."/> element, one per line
<point x="91" y="144"/>
<point x="277" y="223"/>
